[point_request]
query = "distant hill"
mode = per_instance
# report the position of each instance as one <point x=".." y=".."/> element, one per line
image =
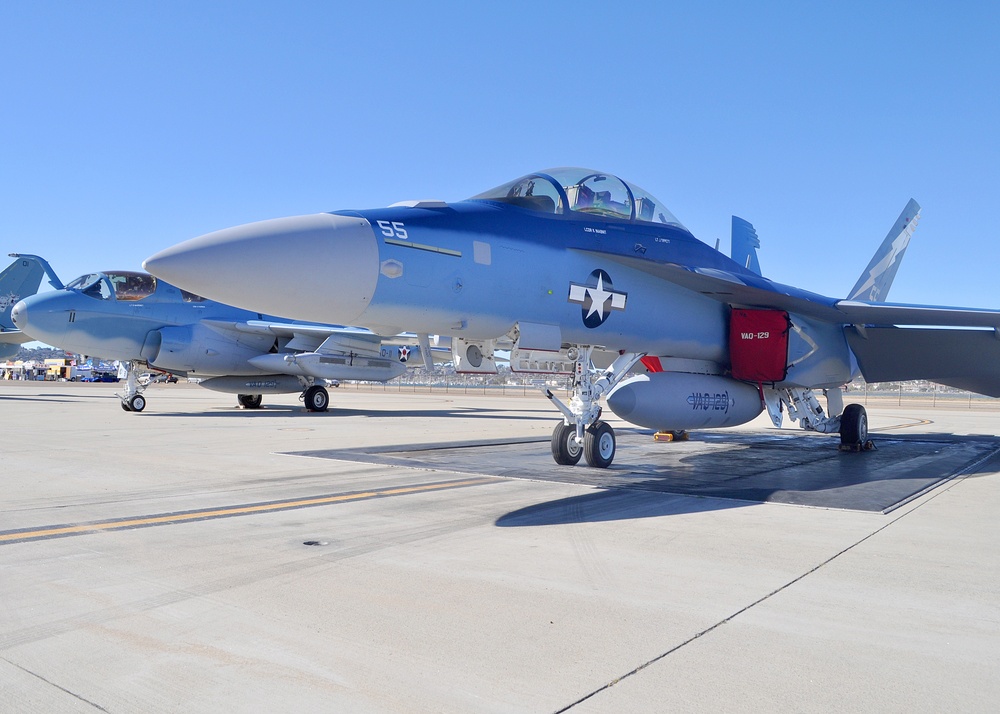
<point x="39" y="353"/>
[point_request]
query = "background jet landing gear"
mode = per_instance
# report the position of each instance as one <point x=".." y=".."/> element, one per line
<point x="250" y="401"/>
<point x="132" y="400"/>
<point x="316" y="399"/>
<point x="136" y="404"/>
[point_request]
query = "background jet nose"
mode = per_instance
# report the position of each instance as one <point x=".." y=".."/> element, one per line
<point x="320" y="267"/>
<point x="19" y="315"/>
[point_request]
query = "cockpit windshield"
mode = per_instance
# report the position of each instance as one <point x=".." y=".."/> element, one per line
<point x="582" y="191"/>
<point x="93" y="285"/>
<point x="126" y="286"/>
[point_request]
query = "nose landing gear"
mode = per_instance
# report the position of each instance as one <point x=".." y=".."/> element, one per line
<point x="582" y="433"/>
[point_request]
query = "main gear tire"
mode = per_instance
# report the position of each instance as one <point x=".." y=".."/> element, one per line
<point x="854" y="425"/>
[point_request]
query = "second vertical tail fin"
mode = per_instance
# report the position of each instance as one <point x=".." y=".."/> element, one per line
<point x="745" y="244"/>
<point x="875" y="281"/>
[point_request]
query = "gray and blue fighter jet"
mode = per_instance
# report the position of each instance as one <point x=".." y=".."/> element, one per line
<point x="147" y="323"/>
<point x="589" y="275"/>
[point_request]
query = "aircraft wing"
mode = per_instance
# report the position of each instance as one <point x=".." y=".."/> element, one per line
<point x="865" y="313"/>
<point x="964" y="359"/>
<point x="754" y="291"/>
<point x="736" y="289"/>
<point x="892" y="342"/>
<point x="302" y="337"/>
<point x="337" y="339"/>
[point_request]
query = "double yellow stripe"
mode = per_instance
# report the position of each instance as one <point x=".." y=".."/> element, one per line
<point x="163" y="519"/>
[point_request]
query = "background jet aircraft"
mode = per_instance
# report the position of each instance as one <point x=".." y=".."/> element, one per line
<point x="567" y="262"/>
<point x="135" y="318"/>
<point x="19" y="280"/>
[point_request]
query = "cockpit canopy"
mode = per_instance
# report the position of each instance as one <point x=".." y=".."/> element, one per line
<point x="582" y="191"/>
<point x="123" y="286"/>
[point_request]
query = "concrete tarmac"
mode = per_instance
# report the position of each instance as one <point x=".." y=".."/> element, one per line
<point x="197" y="557"/>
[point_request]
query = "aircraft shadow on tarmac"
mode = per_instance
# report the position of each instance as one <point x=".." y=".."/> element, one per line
<point x="611" y="504"/>
<point x="722" y="470"/>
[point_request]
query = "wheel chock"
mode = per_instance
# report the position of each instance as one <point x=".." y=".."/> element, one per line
<point x="668" y="436"/>
<point x="855" y="448"/>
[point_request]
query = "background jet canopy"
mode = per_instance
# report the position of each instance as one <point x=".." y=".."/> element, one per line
<point x="123" y="285"/>
<point x="582" y="191"/>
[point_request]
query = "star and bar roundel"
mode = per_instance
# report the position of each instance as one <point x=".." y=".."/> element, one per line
<point x="597" y="297"/>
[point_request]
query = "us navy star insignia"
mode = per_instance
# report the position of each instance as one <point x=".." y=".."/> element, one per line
<point x="597" y="297"/>
<point x="8" y="300"/>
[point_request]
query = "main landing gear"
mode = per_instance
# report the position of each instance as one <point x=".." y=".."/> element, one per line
<point x="854" y="429"/>
<point x="582" y="433"/>
<point x="804" y="407"/>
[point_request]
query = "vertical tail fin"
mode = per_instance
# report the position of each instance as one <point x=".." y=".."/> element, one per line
<point x="745" y="244"/>
<point x="875" y="281"/>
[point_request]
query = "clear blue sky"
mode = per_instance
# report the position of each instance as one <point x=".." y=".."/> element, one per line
<point x="126" y="127"/>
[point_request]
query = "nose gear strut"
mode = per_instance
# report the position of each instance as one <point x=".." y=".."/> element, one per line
<point x="582" y="433"/>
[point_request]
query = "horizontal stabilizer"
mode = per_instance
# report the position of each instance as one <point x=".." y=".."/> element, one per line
<point x="964" y="359"/>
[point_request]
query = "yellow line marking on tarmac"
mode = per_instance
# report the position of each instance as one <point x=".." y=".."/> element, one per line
<point x="918" y="422"/>
<point x="153" y="520"/>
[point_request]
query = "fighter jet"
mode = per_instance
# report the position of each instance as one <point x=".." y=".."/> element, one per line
<point x="149" y="324"/>
<point x="19" y="279"/>
<point x="572" y="264"/>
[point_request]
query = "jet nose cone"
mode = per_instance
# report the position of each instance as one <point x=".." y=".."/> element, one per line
<point x="19" y="315"/>
<point x="320" y="267"/>
<point x="41" y="317"/>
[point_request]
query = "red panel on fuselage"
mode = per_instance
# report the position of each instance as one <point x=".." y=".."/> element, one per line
<point x="758" y="344"/>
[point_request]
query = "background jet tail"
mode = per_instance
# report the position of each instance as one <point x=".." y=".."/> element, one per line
<point x="875" y="281"/>
<point x="745" y="244"/>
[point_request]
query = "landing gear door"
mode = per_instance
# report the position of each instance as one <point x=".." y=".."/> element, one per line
<point x="473" y="357"/>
